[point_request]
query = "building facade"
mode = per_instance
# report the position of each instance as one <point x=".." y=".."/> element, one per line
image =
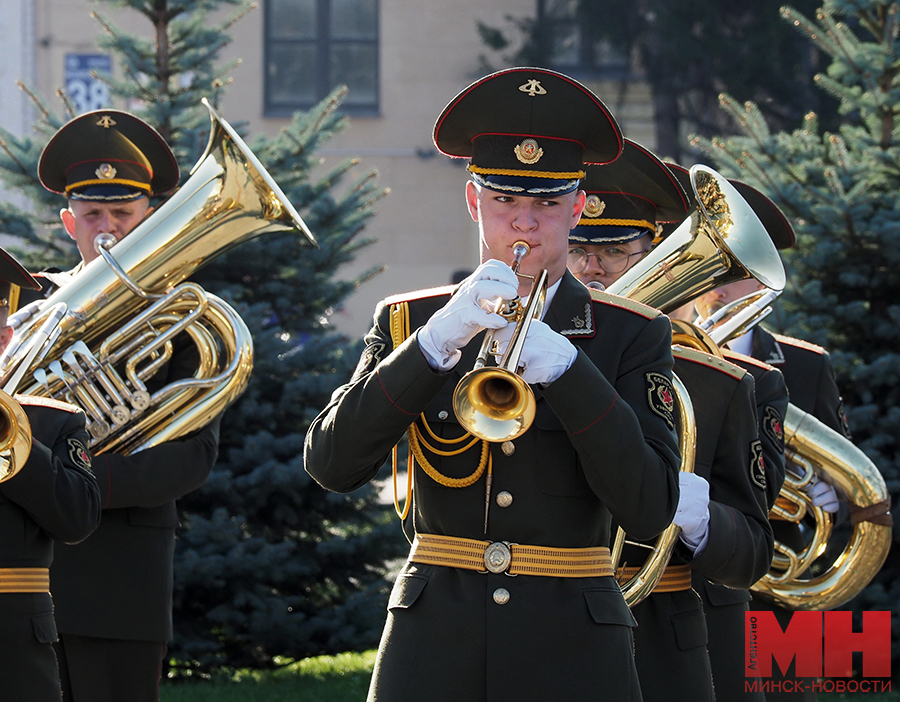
<point x="402" y="59"/>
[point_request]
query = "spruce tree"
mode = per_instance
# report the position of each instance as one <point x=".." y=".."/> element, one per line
<point x="841" y="190"/>
<point x="268" y="564"/>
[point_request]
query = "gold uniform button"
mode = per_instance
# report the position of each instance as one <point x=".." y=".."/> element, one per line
<point x="508" y="448"/>
<point x="501" y="595"/>
<point x="504" y="499"/>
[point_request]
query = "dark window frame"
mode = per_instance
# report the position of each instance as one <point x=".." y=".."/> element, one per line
<point x="323" y="42"/>
<point x="587" y="66"/>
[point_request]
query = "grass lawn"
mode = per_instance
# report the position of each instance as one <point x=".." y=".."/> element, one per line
<point x="343" y="678"/>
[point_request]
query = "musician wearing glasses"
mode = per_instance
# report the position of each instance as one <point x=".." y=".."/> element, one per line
<point x="508" y="592"/>
<point x="113" y="592"/>
<point x="47" y="493"/>
<point x="725" y="536"/>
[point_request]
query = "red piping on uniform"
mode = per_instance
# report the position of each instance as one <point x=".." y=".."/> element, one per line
<point x="384" y="390"/>
<point x="574" y="433"/>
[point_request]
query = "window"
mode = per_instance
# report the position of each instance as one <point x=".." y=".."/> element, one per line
<point x="312" y="46"/>
<point x="571" y="50"/>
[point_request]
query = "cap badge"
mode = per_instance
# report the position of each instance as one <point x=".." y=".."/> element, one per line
<point x="105" y="171"/>
<point x="529" y="152"/>
<point x="106" y="122"/>
<point x="533" y="87"/>
<point x="593" y="206"/>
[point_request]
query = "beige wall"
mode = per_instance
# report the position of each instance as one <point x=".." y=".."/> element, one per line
<point x="428" y="52"/>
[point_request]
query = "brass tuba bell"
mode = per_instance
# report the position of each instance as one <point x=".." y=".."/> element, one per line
<point x="119" y="314"/>
<point x="721" y="242"/>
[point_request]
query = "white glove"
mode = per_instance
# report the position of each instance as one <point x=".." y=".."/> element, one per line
<point x="821" y="494"/>
<point x="546" y="354"/>
<point x="456" y="323"/>
<point x="692" y="514"/>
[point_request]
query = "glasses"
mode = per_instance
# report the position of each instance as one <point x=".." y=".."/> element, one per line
<point x="612" y="259"/>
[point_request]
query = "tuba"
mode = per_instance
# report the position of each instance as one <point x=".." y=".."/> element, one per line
<point x="721" y="242"/>
<point x="812" y="448"/>
<point x="97" y="340"/>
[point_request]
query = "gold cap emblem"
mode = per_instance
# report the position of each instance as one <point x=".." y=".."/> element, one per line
<point x="529" y="152"/>
<point x="105" y="171"/>
<point x="106" y="122"/>
<point x="533" y="87"/>
<point x="593" y="206"/>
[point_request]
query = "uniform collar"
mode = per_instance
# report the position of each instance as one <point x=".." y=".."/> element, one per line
<point x="766" y="348"/>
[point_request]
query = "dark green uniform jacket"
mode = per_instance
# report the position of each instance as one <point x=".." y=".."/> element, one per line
<point x="53" y="496"/>
<point x="602" y="443"/>
<point x="724" y="606"/>
<point x="808" y="374"/>
<point x="135" y="543"/>
<point x="811" y="386"/>
<point x="671" y="638"/>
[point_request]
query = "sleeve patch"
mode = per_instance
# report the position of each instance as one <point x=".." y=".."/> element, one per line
<point x="773" y="427"/>
<point x="842" y="415"/>
<point x="78" y="454"/>
<point x="757" y="469"/>
<point x="371" y="357"/>
<point x="661" y="397"/>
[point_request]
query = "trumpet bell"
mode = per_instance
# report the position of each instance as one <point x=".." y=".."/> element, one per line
<point x="494" y="404"/>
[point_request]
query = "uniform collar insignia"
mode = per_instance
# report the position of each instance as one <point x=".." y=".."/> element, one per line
<point x="582" y="326"/>
<point x="776" y="355"/>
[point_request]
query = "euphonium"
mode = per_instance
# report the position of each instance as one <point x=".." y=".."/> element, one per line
<point x="494" y="403"/>
<point x="721" y="242"/>
<point x="814" y="448"/>
<point x="120" y="313"/>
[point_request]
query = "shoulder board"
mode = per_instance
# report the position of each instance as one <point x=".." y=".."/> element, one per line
<point x="35" y="401"/>
<point x="624" y="303"/>
<point x="707" y="359"/>
<point x="799" y="343"/>
<point x="749" y="360"/>
<point x="419" y="294"/>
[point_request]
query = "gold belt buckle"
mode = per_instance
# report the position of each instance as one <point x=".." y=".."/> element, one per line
<point x="497" y="557"/>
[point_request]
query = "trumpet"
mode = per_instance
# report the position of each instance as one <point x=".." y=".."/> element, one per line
<point x="494" y="403"/>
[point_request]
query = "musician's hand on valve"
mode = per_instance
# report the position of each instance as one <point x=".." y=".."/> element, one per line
<point x="821" y="494"/>
<point x="692" y="514"/>
<point x="546" y="354"/>
<point x="468" y="312"/>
